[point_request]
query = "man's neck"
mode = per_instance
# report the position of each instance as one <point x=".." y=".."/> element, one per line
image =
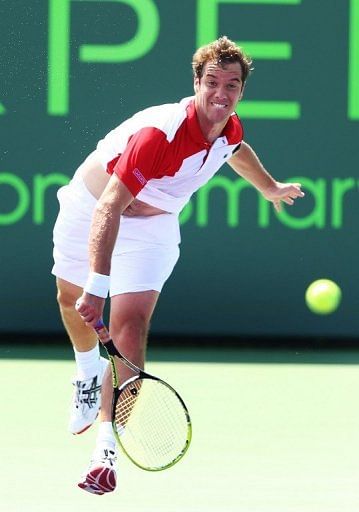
<point x="210" y="131"/>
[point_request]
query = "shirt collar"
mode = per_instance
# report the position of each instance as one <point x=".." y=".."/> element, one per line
<point x="195" y="129"/>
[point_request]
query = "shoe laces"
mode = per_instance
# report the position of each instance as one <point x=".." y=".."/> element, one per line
<point x="108" y="456"/>
<point x="87" y="394"/>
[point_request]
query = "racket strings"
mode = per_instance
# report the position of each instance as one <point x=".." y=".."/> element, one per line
<point x="126" y="402"/>
<point x="152" y="423"/>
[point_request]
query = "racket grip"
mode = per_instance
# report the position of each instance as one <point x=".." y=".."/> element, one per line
<point x="102" y="332"/>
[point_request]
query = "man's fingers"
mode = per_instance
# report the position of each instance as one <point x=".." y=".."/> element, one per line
<point x="86" y="312"/>
<point x="296" y="191"/>
<point x="277" y="206"/>
<point x="288" y="200"/>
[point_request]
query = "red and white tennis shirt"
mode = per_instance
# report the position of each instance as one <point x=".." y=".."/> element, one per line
<point x="161" y="155"/>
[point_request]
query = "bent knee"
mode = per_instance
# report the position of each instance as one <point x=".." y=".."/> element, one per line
<point x="67" y="294"/>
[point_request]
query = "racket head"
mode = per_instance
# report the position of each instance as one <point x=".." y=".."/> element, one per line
<point x="151" y="422"/>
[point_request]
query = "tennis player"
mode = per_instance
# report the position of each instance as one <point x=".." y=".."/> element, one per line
<point x="117" y="231"/>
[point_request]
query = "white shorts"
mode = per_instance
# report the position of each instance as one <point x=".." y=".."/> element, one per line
<point x="145" y="253"/>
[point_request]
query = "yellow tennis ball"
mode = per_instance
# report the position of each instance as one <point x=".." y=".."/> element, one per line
<point x="323" y="296"/>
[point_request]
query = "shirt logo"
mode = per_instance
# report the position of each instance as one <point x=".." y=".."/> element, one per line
<point x="139" y="176"/>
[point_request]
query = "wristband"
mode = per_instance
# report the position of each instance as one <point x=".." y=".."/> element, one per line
<point x="97" y="284"/>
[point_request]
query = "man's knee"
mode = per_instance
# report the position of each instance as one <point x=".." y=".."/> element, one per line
<point x="134" y="328"/>
<point x="131" y="314"/>
<point x="67" y="295"/>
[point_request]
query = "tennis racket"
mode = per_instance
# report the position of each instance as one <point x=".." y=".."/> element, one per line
<point x="150" y="420"/>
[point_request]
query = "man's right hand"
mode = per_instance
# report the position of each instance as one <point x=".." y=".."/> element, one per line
<point x="90" y="308"/>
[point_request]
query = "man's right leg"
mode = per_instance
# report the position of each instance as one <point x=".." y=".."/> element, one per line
<point x="90" y="366"/>
<point x="129" y="323"/>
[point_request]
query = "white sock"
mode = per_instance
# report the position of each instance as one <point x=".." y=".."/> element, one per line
<point x="105" y="436"/>
<point x="87" y="363"/>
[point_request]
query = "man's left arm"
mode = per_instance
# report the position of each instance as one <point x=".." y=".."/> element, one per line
<point x="246" y="164"/>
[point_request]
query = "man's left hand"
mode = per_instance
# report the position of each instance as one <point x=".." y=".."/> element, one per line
<point x="286" y="192"/>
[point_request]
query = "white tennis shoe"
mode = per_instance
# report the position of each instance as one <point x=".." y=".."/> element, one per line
<point x="86" y="401"/>
<point x="100" y="477"/>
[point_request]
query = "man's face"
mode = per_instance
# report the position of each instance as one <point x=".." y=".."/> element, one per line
<point x="218" y="91"/>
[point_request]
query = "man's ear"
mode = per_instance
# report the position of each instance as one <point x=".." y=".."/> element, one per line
<point x="242" y="93"/>
<point x="196" y="84"/>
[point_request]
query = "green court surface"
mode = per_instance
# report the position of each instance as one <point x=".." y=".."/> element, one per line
<point x="272" y="432"/>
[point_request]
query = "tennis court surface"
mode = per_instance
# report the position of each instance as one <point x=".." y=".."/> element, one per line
<point x="273" y="431"/>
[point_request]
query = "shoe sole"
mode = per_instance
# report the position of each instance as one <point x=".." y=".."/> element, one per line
<point x="99" y="481"/>
<point x="86" y="428"/>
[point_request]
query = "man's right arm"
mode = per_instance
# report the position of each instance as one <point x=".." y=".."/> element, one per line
<point x="105" y="224"/>
<point x="103" y="233"/>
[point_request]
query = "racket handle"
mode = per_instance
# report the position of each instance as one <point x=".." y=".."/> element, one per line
<point x="102" y="332"/>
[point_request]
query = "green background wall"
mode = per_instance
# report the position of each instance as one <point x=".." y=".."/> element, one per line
<point x="72" y="70"/>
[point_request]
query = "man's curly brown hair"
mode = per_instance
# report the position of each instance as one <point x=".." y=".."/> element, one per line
<point x="222" y="51"/>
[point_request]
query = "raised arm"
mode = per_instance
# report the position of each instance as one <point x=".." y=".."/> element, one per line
<point x="246" y="164"/>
